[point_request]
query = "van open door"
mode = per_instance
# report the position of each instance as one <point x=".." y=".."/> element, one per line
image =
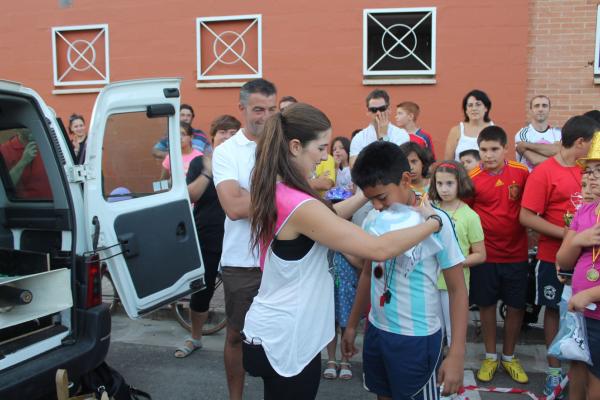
<point x="137" y="208"/>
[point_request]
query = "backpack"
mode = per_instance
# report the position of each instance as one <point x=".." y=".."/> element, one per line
<point x="106" y="379"/>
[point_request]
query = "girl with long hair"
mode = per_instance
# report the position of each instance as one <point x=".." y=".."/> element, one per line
<point x="450" y="184"/>
<point x="292" y="318"/>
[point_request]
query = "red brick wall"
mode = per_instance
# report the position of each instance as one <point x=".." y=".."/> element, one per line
<point x="561" y="56"/>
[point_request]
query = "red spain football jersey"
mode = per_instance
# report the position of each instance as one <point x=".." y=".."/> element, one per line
<point x="497" y="201"/>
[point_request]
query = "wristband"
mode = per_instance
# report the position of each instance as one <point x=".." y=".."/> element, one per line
<point x="438" y="219"/>
<point x="207" y="176"/>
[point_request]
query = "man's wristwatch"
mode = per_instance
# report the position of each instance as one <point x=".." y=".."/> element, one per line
<point x="438" y="219"/>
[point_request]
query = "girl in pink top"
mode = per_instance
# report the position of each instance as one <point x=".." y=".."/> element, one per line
<point x="188" y="153"/>
<point x="580" y="249"/>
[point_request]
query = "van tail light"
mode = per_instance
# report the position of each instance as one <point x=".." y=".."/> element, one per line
<point x="94" y="282"/>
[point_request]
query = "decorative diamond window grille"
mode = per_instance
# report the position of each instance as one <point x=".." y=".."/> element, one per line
<point x="80" y="55"/>
<point x="229" y="47"/>
<point x="597" y="52"/>
<point x="399" y="41"/>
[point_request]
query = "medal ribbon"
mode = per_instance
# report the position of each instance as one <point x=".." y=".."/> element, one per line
<point x="595" y="250"/>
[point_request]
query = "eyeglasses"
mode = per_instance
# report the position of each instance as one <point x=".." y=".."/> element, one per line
<point x="374" y="110"/>
<point x="595" y="172"/>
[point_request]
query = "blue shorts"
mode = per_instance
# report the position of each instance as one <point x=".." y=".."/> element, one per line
<point x="402" y="367"/>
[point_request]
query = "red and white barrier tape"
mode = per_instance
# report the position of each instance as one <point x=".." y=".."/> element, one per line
<point x="557" y="391"/>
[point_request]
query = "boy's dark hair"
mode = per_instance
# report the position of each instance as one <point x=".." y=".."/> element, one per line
<point x="261" y="86"/>
<point x="481" y="96"/>
<point x="577" y="127"/>
<point x="424" y="155"/>
<point x="225" y="123"/>
<point x="379" y="163"/>
<point x="464" y="184"/>
<point x="185" y="106"/>
<point x="492" y="133"/>
<point x="291" y="99"/>
<point x="354" y="132"/>
<point x="593" y="114"/>
<point x="378" y="94"/>
<point x="470" y="152"/>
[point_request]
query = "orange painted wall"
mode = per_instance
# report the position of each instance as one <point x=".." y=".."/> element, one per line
<point x="311" y="49"/>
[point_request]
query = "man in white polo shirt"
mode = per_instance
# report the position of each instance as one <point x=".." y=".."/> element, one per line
<point x="380" y="128"/>
<point x="233" y="162"/>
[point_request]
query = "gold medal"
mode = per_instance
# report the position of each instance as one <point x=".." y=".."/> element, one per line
<point x="592" y="274"/>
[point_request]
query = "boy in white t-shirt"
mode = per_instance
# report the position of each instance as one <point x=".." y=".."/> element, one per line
<point x="538" y="140"/>
<point x="403" y="343"/>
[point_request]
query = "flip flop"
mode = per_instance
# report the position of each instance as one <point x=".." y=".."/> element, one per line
<point x="345" y="371"/>
<point x="186" y="350"/>
<point x="330" y="372"/>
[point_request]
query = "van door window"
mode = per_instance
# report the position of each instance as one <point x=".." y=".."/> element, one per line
<point x="129" y="168"/>
<point x="23" y="172"/>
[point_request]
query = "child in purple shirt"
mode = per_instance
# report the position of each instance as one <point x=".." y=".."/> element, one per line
<point x="580" y="250"/>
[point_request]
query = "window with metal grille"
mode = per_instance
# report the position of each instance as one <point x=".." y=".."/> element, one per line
<point x="399" y="42"/>
<point x="229" y="47"/>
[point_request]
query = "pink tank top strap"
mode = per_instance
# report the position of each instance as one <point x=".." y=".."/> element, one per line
<point x="287" y="199"/>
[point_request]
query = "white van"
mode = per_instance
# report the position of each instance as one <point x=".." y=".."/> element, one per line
<point x="60" y="223"/>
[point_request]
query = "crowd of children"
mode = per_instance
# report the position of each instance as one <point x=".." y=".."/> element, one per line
<point x="494" y="204"/>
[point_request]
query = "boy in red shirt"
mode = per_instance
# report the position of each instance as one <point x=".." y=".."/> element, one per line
<point x="551" y="197"/>
<point x="497" y="200"/>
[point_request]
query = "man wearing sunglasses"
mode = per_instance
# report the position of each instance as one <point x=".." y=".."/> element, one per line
<point x="380" y="128"/>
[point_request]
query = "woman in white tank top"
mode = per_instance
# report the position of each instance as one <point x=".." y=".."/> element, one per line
<point x="291" y="319"/>
<point x="476" y="107"/>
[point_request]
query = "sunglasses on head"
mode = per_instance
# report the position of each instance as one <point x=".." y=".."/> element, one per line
<point x="377" y="109"/>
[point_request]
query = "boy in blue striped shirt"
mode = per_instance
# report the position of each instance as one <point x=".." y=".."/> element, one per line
<point x="403" y="343"/>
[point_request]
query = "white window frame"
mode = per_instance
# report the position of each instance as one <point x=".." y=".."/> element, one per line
<point x="597" y="52"/>
<point x="425" y="72"/>
<point x="201" y="21"/>
<point x="103" y="30"/>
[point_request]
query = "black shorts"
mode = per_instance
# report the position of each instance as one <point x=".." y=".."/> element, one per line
<point x="491" y="282"/>
<point x="592" y="327"/>
<point x="548" y="290"/>
<point x="303" y="386"/>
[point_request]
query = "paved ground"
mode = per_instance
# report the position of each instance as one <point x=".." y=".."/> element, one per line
<point x="143" y="352"/>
